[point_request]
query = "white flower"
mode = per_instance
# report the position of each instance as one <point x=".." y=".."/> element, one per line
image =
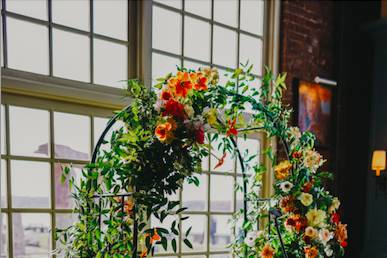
<point x="189" y="110"/>
<point x="335" y="205"/>
<point x="295" y="132"/>
<point x="313" y="160"/>
<point x="286" y="186"/>
<point x="325" y="235"/>
<point x="251" y="237"/>
<point x="328" y="251"/>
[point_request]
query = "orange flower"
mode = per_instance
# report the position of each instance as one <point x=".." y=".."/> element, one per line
<point x="128" y="206"/>
<point x="144" y="253"/>
<point x="281" y="171"/>
<point x="267" y="251"/>
<point x="287" y="203"/>
<point x="341" y="232"/>
<point x="310" y="252"/>
<point x="155" y="237"/>
<point x="201" y="84"/>
<point x="221" y="161"/>
<point x="181" y="84"/>
<point x="164" y="132"/>
<point x="231" y="128"/>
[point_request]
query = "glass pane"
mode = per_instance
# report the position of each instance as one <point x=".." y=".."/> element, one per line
<point x="30" y="182"/>
<point x="193" y="256"/>
<point x="35" y="140"/>
<point x="198" y="235"/>
<point x="100" y="124"/>
<point x="36" y="9"/>
<point x="71" y="55"/>
<point x="72" y="136"/>
<point x="63" y="198"/>
<point x="226" y="11"/>
<point x="251" y="50"/>
<point x="31" y="235"/>
<point x="110" y="63"/>
<point x="225" y="47"/>
<point x="220" y="233"/>
<point x="3" y="183"/>
<point x="248" y="148"/>
<point x="111" y="18"/>
<point x="166" y="30"/>
<point x="167" y="223"/>
<point x="216" y="155"/>
<point x="172" y="3"/>
<point x="197" y="36"/>
<point x="195" y="197"/>
<point x="252" y="16"/>
<point x="221" y="256"/>
<point x="239" y="194"/>
<point x="71" y="13"/>
<point x="199" y="7"/>
<point x="193" y="65"/>
<point x="64" y="220"/>
<point x="222" y="193"/>
<point x="4" y="236"/>
<point x="3" y="142"/>
<point x="162" y="65"/>
<point x="31" y="57"/>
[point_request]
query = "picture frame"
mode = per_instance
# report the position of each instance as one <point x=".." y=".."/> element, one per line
<point x="314" y="110"/>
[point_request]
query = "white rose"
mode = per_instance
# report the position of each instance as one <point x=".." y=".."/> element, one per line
<point x="325" y="235"/>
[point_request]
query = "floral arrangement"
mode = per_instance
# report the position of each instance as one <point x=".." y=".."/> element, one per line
<point x="165" y="134"/>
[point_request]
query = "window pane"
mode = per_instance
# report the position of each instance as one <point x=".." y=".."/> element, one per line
<point x="30" y="184"/>
<point x="4" y="236"/>
<point x="35" y="140"/>
<point x="31" y="57"/>
<point x="239" y="194"/>
<point x="195" y="197"/>
<point x="111" y="18"/>
<point x="220" y="232"/>
<point x="225" y="47"/>
<point x="222" y="193"/>
<point x="110" y="63"/>
<point x="248" y="147"/>
<point x="252" y="16"/>
<point x="36" y="9"/>
<point x="193" y="65"/>
<point x="64" y="220"/>
<point x="172" y="3"/>
<point x="202" y="7"/>
<point x="166" y="30"/>
<point x="162" y="65"/>
<point x="72" y="136"/>
<point x="100" y="124"/>
<point x="3" y="183"/>
<point x="63" y="199"/>
<point x="71" y="13"/>
<point x="197" y="36"/>
<point x="226" y="11"/>
<point x="251" y="50"/>
<point x="3" y="142"/>
<point x="31" y="235"/>
<point x="198" y="235"/>
<point x="220" y="256"/>
<point x="71" y="55"/>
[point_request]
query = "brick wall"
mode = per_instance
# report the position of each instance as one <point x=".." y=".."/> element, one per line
<point x="307" y="40"/>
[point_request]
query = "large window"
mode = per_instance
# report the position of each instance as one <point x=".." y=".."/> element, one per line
<point x="222" y="34"/>
<point x="63" y="63"/>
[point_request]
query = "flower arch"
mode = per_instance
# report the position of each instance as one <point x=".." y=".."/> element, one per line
<point x="161" y="143"/>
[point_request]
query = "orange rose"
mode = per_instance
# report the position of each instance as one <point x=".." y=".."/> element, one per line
<point x="310" y="252"/>
<point x="341" y="232"/>
<point x="267" y="251"/>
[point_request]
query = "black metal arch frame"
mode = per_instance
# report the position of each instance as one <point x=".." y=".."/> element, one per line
<point x="272" y="213"/>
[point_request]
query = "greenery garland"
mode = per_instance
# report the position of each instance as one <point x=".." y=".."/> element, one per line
<point x="162" y="143"/>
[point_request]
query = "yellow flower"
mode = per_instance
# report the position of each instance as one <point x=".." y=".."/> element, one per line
<point x="281" y="171"/>
<point x="316" y="217"/>
<point x="335" y="205"/>
<point x="306" y="199"/>
<point x="310" y="232"/>
<point x="212" y="118"/>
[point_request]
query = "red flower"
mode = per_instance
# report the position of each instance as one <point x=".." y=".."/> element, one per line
<point x="308" y="186"/>
<point x="166" y="95"/>
<point x="199" y="135"/>
<point x="182" y="88"/>
<point x="335" y="218"/>
<point x="175" y="109"/>
<point x="201" y="84"/>
<point x="231" y="128"/>
<point x="221" y="161"/>
<point x="344" y="244"/>
<point x="297" y="155"/>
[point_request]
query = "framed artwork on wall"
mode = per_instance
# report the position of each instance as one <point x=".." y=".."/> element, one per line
<point x="313" y="110"/>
